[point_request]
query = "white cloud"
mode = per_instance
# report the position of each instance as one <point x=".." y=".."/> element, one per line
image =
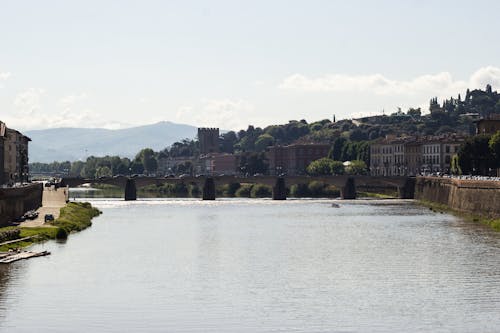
<point x="29" y="102"/>
<point x="441" y="84"/>
<point x="68" y="102"/>
<point x="486" y="75"/>
<point x="222" y="113"/>
<point x="4" y="76"/>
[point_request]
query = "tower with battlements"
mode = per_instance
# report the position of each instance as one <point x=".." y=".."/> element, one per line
<point x="209" y="140"/>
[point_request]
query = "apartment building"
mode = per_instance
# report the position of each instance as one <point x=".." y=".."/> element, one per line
<point x="294" y="159"/>
<point x="409" y="156"/>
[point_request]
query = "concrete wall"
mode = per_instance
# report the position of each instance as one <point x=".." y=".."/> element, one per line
<point x="472" y="196"/>
<point x="14" y="202"/>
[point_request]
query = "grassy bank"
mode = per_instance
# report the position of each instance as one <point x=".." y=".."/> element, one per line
<point x="75" y="216"/>
<point x="376" y="195"/>
<point x="491" y="222"/>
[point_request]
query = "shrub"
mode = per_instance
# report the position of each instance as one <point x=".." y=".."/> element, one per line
<point x="315" y="188"/>
<point x="229" y="190"/>
<point x="244" y="191"/>
<point x="260" y="191"/>
<point x="299" y="190"/>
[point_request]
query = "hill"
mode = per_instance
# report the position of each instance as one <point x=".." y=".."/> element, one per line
<point x="71" y="144"/>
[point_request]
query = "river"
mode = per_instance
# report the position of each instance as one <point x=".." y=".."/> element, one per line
<point x="256" y="265"/>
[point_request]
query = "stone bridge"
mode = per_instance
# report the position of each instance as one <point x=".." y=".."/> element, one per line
<point x="347" y="184"/>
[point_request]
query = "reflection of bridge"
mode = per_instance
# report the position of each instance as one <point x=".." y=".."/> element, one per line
<point x="347" y="184"/>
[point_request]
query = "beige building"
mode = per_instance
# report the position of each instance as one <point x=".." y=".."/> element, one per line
<point x="410" y="156"/>
<point x="489" y="125"/>
<point x="218" y="164"/>
<point x="14" y="156"/>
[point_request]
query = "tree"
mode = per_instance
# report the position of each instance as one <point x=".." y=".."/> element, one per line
<point x="320" y="167"/>
<point x="263" y="141"/>
<point x="357" y="167"/>
<point x="252" y="163"/>
<point x="148" y="159"/>
<point x="494" y="145"/>
<point x="414" y="112"/>
<point x="455" y="165"/>
<point x="337" y="168"/>
<point x="475" y="156"/>
<point x="103" y="172"/>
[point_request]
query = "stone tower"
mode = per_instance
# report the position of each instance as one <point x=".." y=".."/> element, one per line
<point x="209" y="140"/>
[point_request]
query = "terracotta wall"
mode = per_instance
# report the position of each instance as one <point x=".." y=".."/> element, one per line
<point x="473" y="196"/>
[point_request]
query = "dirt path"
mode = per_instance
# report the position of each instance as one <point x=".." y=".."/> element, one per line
<point x="52" y="201"/>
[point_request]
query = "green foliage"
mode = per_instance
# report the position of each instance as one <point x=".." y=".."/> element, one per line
<point x="299" y="190"/>
<point x="244" y="191"/>
<point x="229" y="190"/>
<point x="494" y="145"/>
<point x="103" y="172"/>
<point x="337" y="168"/>
<point x="455" y="165"/>
<point x="260" y="191"/>
<point x="76" y="216"/>
<point x="253" y="163"/>
<point x="263" y="141"/>
<point x="320" y="167"/>
<point x="357" y="167"/>
<point x="194" y="190"/>
<point x="315" y="188"/>
<point x="61" y="233"/>
<point x="475" y="156"/>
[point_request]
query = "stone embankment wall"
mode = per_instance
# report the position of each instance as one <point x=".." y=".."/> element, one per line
<point x="14" y="202"/>
<point x="472" y="196"/>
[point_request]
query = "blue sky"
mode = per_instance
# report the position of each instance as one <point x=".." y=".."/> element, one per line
<point x="233" y="63"/>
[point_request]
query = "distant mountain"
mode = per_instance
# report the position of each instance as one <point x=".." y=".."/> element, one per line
<point x="71" y="144"/>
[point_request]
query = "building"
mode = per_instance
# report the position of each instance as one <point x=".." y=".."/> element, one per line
<point x="218" y="164"/>
<point x="410" y="156"/>
<point x="169" y="165"/>
<point x="294" y="159"/>
<point x="14" y="156"/>
<point x="209" y="140"/>
<point x="489" y="125"/>
<point x="3" y="130"/>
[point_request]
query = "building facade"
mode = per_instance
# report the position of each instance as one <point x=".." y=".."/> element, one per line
<point x="294" y="159"/>
<point x="14" y="156"/>
<point x="410" y="156"/>
<point x="488" y="125"/>
<point x="209" y="140"/>
<point x="218" y="164"/>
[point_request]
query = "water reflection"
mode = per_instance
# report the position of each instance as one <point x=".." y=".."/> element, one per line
<point x="232" y="265"/>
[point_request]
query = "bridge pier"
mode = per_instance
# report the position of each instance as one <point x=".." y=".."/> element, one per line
<point x="348" y="191"/>
<point x="209" y="189"/>
<point x="407" y="191"/>
<point x="279" y="189"/>
<point x="130" y="190"/>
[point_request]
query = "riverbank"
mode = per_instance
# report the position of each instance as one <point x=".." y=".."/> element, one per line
<point x="75" y="216"/>
<point x="493" y="223"/>
<point x="475" y="200"/>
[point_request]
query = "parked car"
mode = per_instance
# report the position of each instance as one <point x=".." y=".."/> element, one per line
<point x="48" y="217"/>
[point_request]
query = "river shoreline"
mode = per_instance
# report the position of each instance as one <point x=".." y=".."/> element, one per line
<point x="74" y="216"/>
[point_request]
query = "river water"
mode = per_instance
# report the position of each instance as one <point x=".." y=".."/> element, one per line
<point x="241" y="265"/>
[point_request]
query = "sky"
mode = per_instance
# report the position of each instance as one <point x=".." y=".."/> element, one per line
<point x="228" y="64"/>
